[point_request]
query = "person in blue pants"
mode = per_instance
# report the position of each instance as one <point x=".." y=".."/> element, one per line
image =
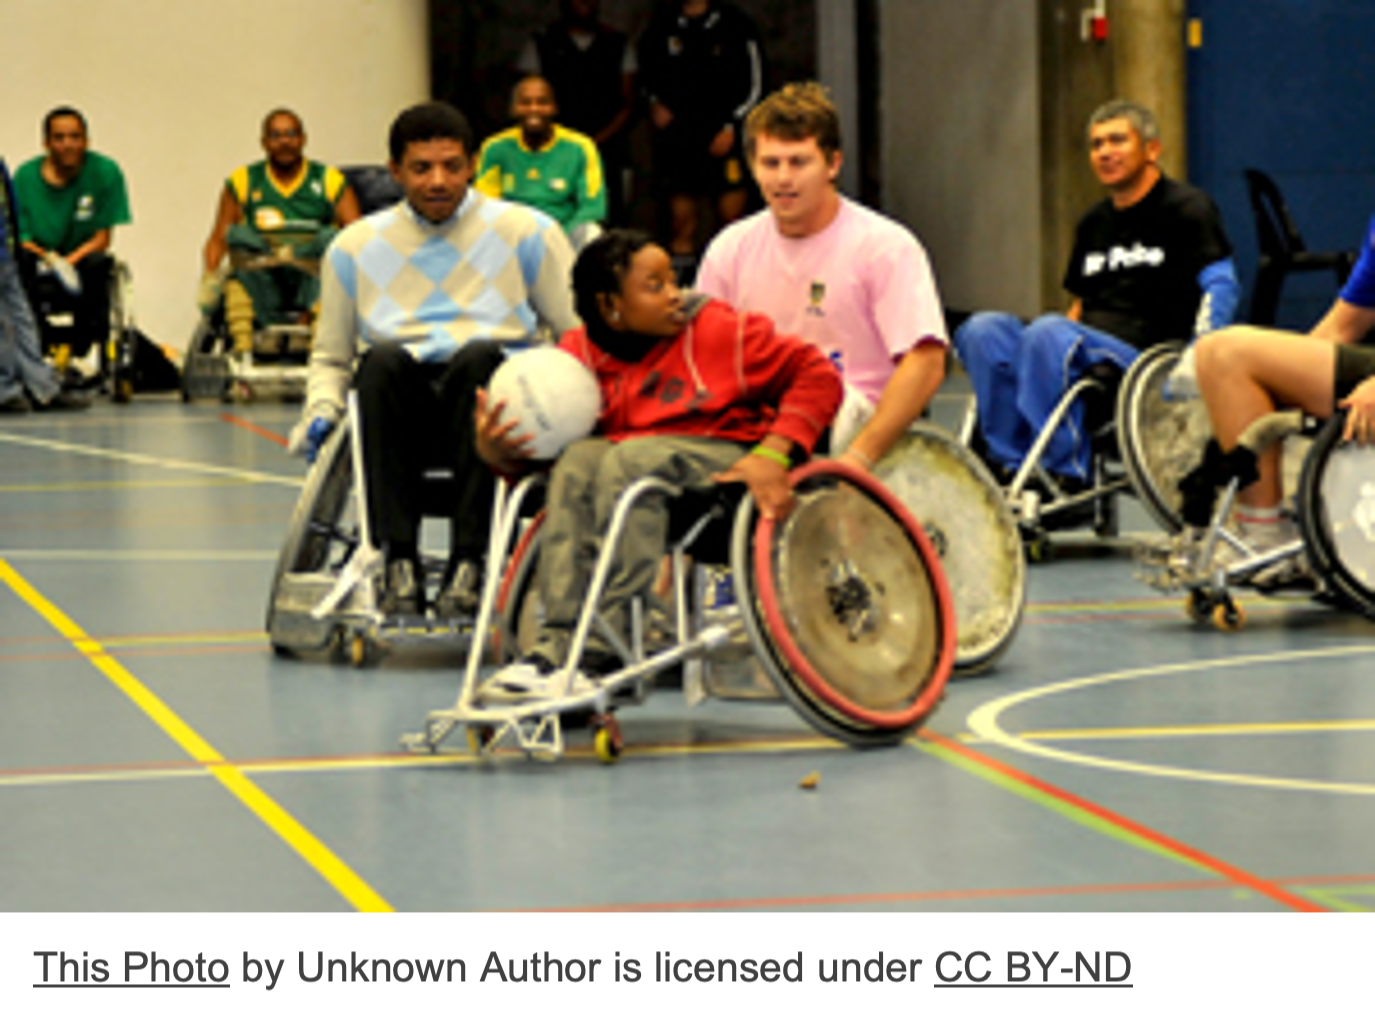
<point x="1151" y="263"/>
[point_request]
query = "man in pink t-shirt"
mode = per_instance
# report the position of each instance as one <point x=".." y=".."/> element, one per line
<point x="855" y="283"/>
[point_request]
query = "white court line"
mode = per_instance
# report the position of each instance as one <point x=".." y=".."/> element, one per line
<point x="139" y="555"/>
<point x="173" y="464"/>
<point x="984" y="723"/>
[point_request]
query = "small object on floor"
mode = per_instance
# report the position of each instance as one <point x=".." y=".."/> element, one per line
<point x="811" y="781"/>
<point x="402" y="594"/>
<point x="461" y="594"/>
<point x="65" y="401"/>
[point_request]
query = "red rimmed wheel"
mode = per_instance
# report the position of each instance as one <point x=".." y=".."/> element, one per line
<point x="847" y="606"/>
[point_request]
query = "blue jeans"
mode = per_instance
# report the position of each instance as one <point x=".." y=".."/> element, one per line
<point x="21" y="359"/>
<point x="1020" y="371"/>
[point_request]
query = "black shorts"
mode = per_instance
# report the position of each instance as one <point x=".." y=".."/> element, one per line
<point x="1355" y="362"/>
<point x="683" y="165"/>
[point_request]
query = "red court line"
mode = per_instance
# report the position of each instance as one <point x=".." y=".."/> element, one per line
<point x="234" y="420"/>
<point x="1199" y="858"/>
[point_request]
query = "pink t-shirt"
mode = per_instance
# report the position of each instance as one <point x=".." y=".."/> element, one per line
<point x="861" y="290"/>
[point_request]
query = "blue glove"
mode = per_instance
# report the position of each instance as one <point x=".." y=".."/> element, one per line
<point x="316" y="434"/>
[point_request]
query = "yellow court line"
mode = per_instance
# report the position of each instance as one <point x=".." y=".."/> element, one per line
<point x="341" y="764"/>
<point x="349" y="884"/>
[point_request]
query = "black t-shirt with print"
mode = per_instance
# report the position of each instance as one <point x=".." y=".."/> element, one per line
<point x="1136" y="269"/>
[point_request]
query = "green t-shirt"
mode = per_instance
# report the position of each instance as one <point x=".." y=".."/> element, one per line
<point x="564" y="179"/>
<point x="63" y="219"/>
<point x="306" y="203"/>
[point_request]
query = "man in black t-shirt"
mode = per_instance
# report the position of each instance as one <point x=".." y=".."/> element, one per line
<point x="1151" y="263"/>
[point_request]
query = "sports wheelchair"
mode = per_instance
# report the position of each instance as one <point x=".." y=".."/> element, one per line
<point x="281" y="349"/>
<point x="105" y="361"/>
<point x="276" y="360"/>
<point x="324" y="593"/>
<point x="843" y="605"/>
<point x="1141" y="443"/>
<point x="1333" y="503"/>
<point x="960" y="507"/>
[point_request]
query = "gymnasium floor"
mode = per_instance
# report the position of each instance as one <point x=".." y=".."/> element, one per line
<point x="155" y="755"/>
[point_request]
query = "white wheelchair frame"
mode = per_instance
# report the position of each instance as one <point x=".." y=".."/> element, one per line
<point x="536" y="728"/>
<point x="1186" y="562"/>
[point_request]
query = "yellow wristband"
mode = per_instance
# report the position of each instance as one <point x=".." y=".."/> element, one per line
<point x="772" y="455"/>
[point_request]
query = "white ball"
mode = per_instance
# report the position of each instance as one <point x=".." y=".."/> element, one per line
<point x="553" y="396"/>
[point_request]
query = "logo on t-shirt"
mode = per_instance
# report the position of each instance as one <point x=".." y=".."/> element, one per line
<point x="1120" y="258"/>
<point x="816" y="296"/>
<point x="85" y="207"/>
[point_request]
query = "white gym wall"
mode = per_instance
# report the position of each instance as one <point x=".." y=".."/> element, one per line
<point x="175" y="90"/>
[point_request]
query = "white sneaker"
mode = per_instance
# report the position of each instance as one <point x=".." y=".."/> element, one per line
<point x="527" y="681"/>
<point x="1290" y="571"/>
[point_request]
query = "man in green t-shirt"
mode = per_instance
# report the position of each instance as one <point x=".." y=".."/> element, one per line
<point x="70" y="201"/>
<point x="282" y="201"/>
<point x="543" y="164"/>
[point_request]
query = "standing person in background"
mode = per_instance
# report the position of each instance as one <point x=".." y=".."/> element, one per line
<point x="27" y="383"/>
<point x="701" y="70"/>
<point x="591" y="68"/>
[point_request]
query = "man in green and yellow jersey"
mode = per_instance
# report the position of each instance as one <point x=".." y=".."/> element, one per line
<point x="282" y="202"/>
<point x="542" y="164"/>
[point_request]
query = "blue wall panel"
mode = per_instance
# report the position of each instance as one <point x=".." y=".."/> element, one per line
<point x="1287" y="86"/>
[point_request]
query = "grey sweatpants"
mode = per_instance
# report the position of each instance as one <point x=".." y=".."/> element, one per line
<point x="588" y="479"/>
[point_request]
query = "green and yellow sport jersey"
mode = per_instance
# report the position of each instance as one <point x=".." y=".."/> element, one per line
<point x="304" y="204"/>
<point x="562" y="179"/>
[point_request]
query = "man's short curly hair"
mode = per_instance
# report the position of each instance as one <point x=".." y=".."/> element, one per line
<point x="796" y="112"/>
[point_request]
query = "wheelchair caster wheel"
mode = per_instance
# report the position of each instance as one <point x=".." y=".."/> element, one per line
<point x="362" y="651"/>
<point x="606" y="738"/>
<point x="479" y="738"/>
<point x="1199" y="606"/>
<point x="1038" y="548"/>
<point x="1229" y="617"/>
<point x="123" y="391"/>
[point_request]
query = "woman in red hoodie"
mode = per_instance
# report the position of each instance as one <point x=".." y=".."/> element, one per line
<point x="694" y="393"/>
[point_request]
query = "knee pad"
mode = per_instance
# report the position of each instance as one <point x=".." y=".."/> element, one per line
<point x="238" y="315"/>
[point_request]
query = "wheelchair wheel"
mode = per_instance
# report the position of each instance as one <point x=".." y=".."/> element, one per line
<point x="117" y="355"/>
<point x="206" y="370"/>
<point x="1336" y="510"/>
<point x="847" y="607"/>
<point x="518" y="609"/>
<point x="323" y="533"/>
<point x="962" y="511"/>
<point x="1161" y="441"/>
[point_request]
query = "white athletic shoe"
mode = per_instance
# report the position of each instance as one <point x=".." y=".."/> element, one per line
<point x="1290" y="571"/>
<point x="529" y="681"/>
